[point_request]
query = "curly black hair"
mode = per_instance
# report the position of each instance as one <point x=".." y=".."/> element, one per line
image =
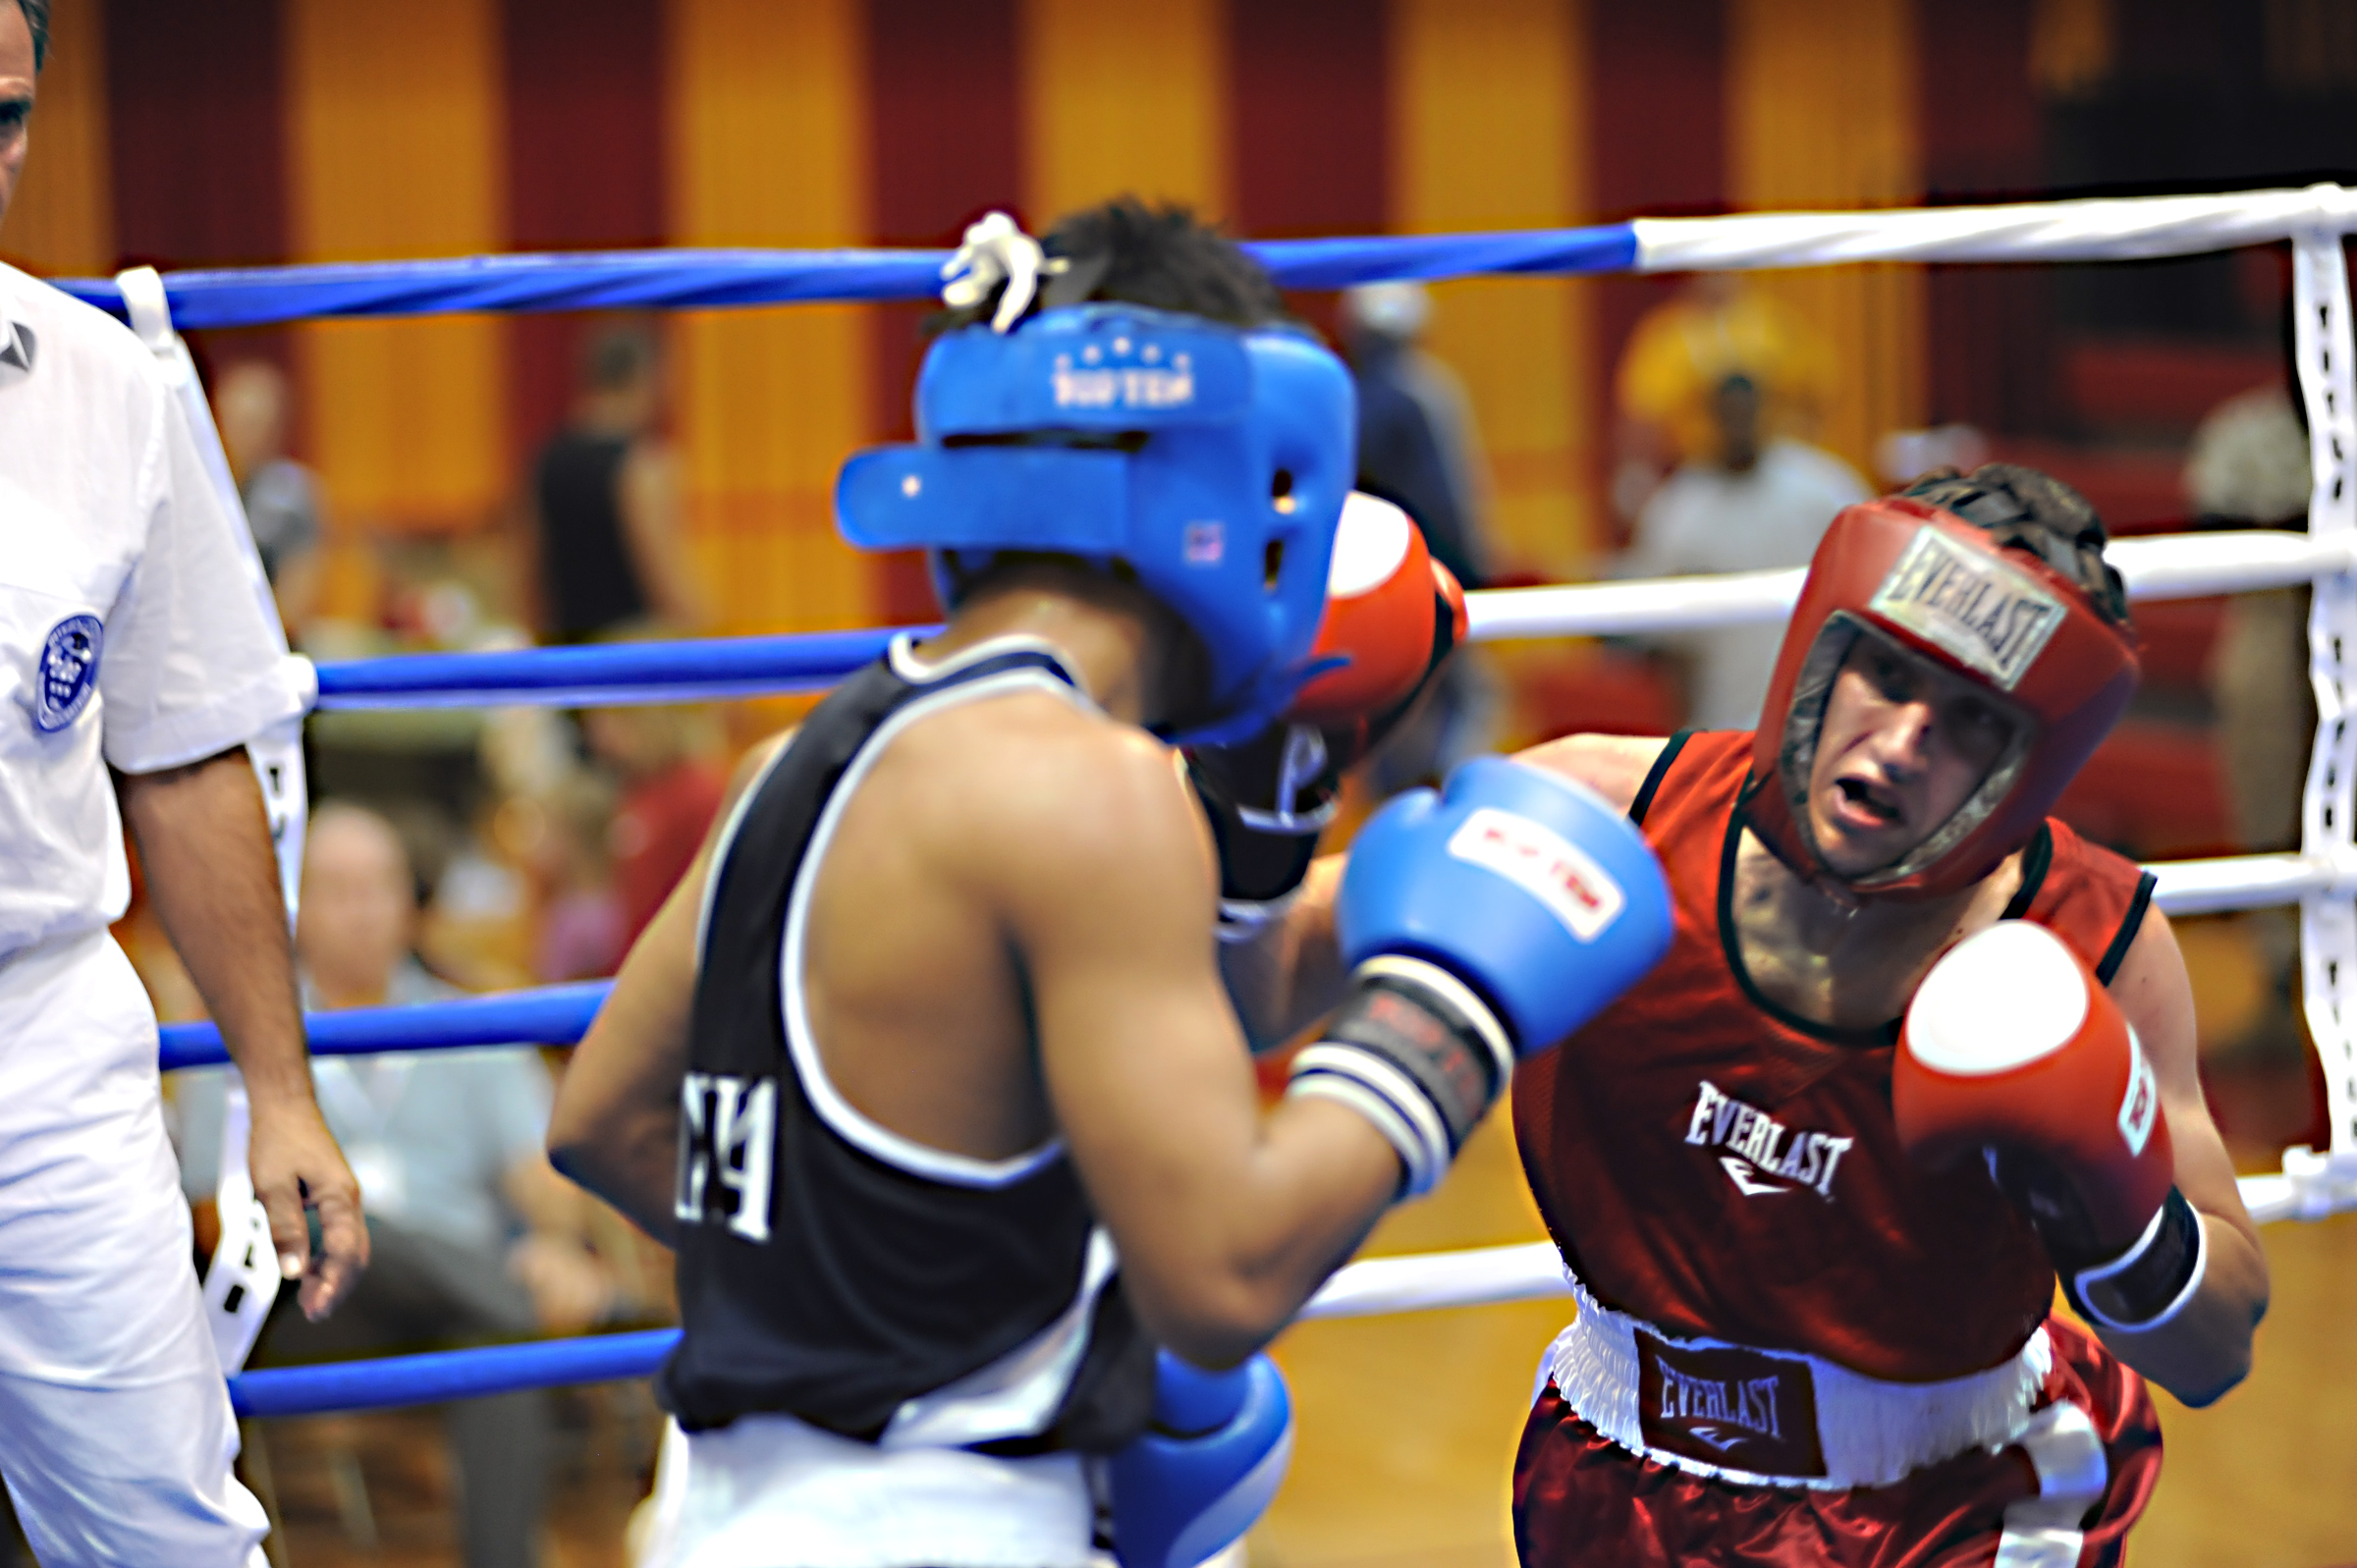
<point x="2024" y="509"/>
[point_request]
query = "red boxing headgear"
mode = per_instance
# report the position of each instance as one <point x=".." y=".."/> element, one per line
<point x="2001" y="618"/>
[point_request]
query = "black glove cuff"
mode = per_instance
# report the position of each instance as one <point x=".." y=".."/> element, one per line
<point x="1419" y="1054"/>
<point x="1264" y="854"/>
<point x="2149" y="1283"/>
<point x="1257" y="866"/>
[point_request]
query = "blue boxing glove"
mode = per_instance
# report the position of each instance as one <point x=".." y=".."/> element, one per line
<point x="1205" y="1469"/>
<point x="1482" y="924"/>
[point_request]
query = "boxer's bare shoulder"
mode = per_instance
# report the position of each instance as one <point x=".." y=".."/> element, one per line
<point x="1613" y="766"/>
<point x="1034" y="797"/>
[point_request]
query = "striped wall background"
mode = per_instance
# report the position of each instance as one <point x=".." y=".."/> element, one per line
<point x="258" y="130"/>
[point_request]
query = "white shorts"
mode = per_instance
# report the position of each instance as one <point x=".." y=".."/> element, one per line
<point x="770" y="1491"/>
<point x="115" y="1434"/>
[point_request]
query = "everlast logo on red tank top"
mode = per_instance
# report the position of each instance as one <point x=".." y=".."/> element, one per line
<point x="1737" y="1409"/>
<point x="1764" y="1154"/>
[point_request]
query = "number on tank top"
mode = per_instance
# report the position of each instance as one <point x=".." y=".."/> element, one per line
<point x="728" y="1130"/>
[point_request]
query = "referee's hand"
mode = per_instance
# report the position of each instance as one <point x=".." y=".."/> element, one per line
<point x="296" y="1166"/>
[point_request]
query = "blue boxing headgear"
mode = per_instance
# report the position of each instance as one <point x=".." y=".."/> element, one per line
<point x="1210" y="462"/>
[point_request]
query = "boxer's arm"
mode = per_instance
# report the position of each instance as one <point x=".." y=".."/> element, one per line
<point x="1613" y="766"/>
<point x="1287" y="975"/>
<point x="615" y="1126"/>
<point x="204" y="845"/>
<point x="616" y="1122"/>
<point x="1098" y="866"/>
<point x="2205" y="1350"/>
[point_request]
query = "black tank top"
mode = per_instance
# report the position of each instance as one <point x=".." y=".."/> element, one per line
<point x="828" y="1268"/>
<point x="585" y="569"/>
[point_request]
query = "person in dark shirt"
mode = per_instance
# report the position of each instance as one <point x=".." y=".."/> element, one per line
<point x="1419" y="448"/>
<point x="1416" y="443"/>
<point x="605" y="502"/>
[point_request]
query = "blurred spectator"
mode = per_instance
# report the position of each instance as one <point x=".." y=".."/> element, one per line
<point x="252" y="407"/>
<point x="670" y="764"/>
<point x="583" y="933"/>
<point x="1742" y="505"/>
<point x="1418" y="448"/>
<point x="605" y="500"/>
<point x="1681" y="352"/>
<point x="473" y="1236"/>
<point x="478" y="926"/>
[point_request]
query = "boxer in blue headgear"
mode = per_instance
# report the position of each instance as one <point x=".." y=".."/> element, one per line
<point x="928" y="1070"/>
<point x="1205" y="460"/>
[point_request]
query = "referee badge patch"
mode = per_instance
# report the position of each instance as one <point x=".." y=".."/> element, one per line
<point x="69" y="673"/>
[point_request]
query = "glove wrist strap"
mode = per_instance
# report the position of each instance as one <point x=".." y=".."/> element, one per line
<point x="2149" y="1283"/>
<point x="1416" y="1052"/>
<point x="1264" y="855"/>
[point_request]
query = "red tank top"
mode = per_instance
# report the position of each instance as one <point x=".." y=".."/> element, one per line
<point x="1727" y="1170"/>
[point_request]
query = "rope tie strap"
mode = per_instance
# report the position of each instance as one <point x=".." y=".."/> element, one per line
<point x="997" y="252"/>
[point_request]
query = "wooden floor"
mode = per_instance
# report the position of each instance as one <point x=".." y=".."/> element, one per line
<point x="377" y="1490"/>
<point x="1405" y="1426"/>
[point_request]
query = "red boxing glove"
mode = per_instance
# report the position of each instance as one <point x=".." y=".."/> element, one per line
<point x="2012" y="1045"/>
<point x="1393" y="616"/>
<point x="1393" y="613"/>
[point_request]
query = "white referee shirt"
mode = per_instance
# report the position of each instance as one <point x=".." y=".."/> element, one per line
<point x="130" y="634"/>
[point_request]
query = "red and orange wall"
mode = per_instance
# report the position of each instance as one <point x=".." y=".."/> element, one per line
<point x="262" y="130"/>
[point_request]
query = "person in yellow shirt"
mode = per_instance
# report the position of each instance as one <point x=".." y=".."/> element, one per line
<point x="1683" y="352"/>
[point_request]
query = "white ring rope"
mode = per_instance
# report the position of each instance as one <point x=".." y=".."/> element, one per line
<point x="2188" y="565"/>
<point x="1477" y="1276"/>
<point x="2114" y="229"/>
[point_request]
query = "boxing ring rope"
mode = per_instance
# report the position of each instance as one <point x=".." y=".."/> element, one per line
<point x="2156" y="567"/>
<point x="546" y="1015"/>
<point x="2321" y="877"/>
<point x="1476" y="1276"/>
<point x="2098" y="230"/>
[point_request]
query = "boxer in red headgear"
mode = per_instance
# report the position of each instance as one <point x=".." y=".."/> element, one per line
<point x="1919" y="1052"/>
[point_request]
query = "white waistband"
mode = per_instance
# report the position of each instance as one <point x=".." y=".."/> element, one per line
<point x="768" y="1492"/>
<point x="1872" y="1432"/>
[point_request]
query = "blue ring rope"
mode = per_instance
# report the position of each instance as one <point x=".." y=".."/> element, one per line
<point x="607" y="674"/>
<point x="684" y="278"/>
<point x="550" y="1015"/>
<point x="445" y="1375"/>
